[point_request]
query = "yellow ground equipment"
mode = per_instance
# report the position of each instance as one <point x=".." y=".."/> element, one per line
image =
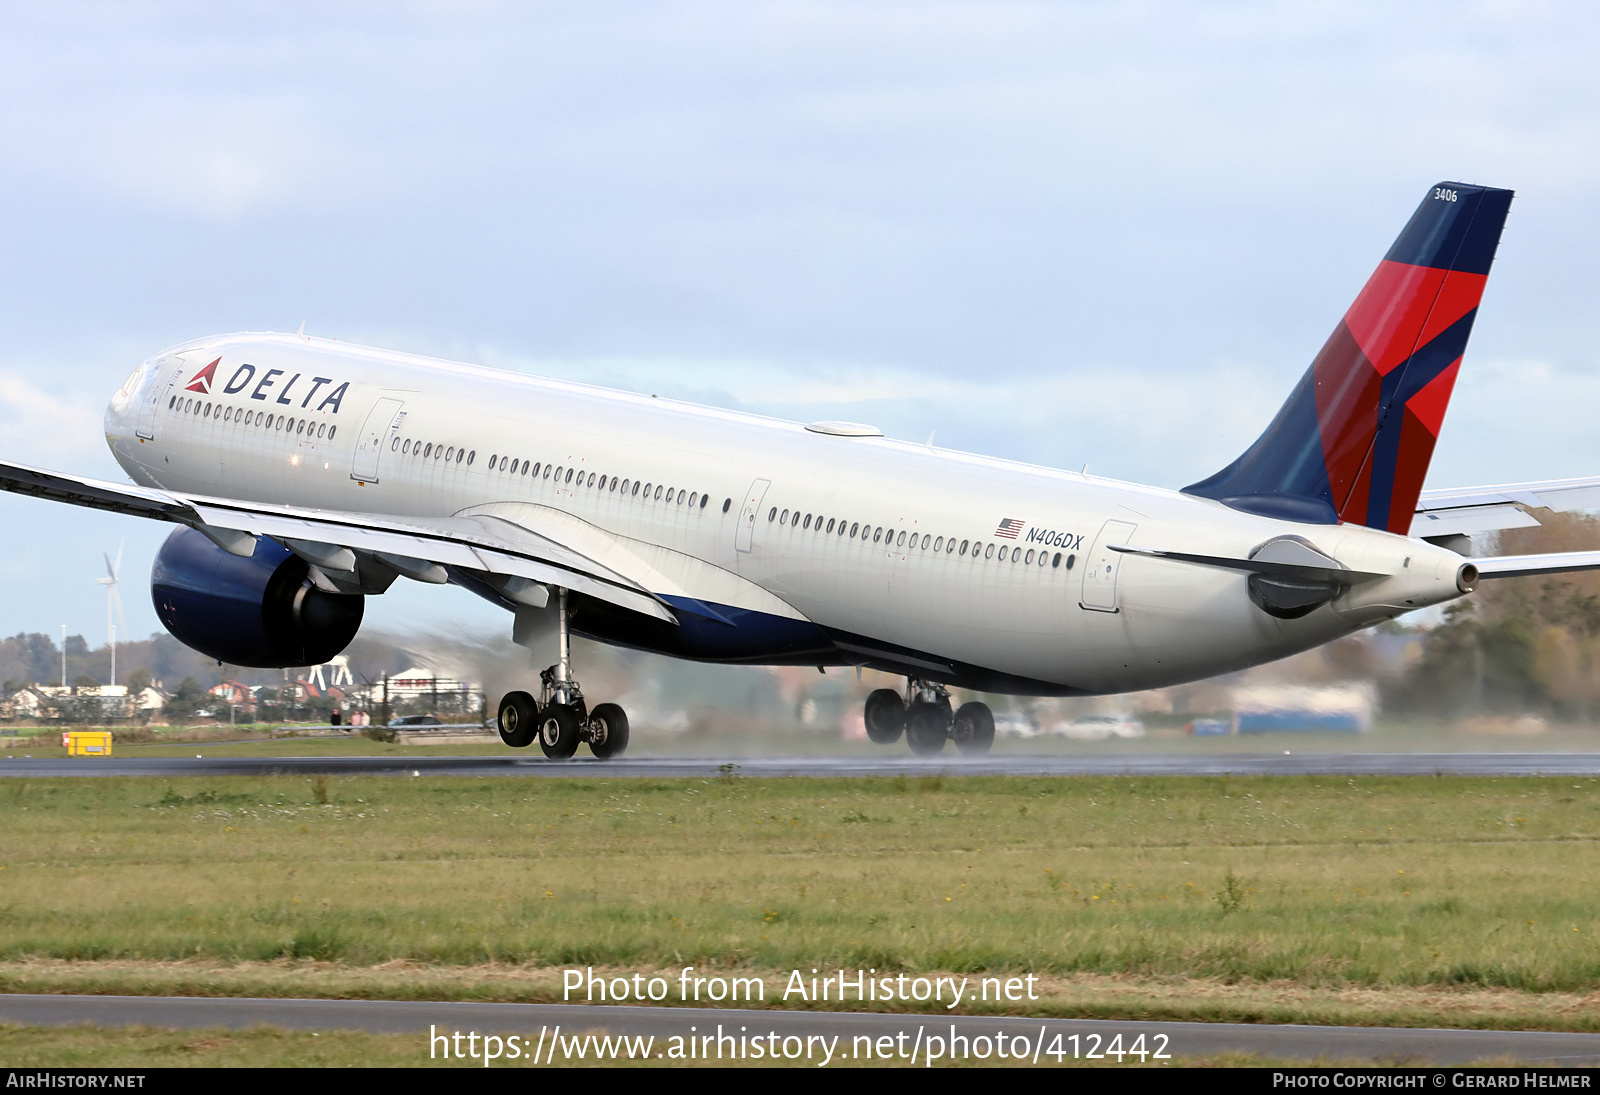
<point x="87" y="743"/>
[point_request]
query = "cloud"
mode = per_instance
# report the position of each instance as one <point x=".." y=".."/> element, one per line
<point x="40" y="426"/>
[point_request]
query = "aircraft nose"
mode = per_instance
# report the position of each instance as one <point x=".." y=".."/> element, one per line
<point x="122" y="407"/>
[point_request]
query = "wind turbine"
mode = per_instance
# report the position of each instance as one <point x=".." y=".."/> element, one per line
<point x="113" y="600"/>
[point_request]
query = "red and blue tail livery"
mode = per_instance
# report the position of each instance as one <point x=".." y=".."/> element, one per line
<point x="1352" y="443"/>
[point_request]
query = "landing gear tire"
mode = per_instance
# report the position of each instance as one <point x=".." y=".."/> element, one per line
<point x="927" y="727"/>
<point x="885" y="716"/>
<point x="973" y="729"/>
<point x="559" y="731"/>
<point x="519" y="719"/>
<point x="608" y="731"/>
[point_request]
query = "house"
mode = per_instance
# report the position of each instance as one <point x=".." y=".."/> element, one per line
<point x="101" y="701"/>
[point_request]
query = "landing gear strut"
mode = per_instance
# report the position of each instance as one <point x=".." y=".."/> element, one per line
<point x="928" y="717"/>
<point x="560" y="718"/>
<point x="927" y="721"/>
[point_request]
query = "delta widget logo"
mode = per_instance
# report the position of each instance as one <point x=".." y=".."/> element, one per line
<point x="201" y="381"/>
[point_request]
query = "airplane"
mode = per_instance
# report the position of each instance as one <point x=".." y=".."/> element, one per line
<point x="305" y="474"/>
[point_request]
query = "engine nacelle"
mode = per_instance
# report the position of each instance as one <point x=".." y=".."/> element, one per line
<point x="263" y="611"/>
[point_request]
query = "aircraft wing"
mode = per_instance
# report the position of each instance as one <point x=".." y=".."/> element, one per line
<point x="1468" y="510"/>
<point x="346" y="549"/>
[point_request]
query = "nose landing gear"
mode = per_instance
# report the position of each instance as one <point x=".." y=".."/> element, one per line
<point x="560" y="719"/>
<point x="927" y="721"/>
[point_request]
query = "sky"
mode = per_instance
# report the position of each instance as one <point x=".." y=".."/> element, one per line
<point x="1070" y="234"/>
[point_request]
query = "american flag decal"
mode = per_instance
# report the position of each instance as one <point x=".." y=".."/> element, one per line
<point x="1009" y="528"/>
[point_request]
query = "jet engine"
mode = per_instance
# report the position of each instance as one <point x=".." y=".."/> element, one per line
<point x="262" y="611"/>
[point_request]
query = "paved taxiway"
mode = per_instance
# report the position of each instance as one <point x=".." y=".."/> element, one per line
<point x="1242" y="764"/>
<point x="1301" y="1043"/>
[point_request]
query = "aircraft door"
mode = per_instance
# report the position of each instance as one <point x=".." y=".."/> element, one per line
<point x="1100" y="568"/>
<point x="744" y="538"/>
<point x="156" y="393"/>
<point x="382" y="421"/>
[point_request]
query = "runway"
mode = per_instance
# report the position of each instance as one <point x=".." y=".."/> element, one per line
<point x="1188" y="764"/>
<point x="876" y="1031"/>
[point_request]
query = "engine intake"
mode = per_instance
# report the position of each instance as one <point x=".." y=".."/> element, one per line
<point x="262" y="611"/>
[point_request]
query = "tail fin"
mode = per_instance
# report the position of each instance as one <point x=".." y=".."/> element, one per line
<point x="1354" y="440"/>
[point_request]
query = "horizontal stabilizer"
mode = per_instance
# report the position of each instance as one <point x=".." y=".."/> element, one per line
<point x="1558" y="494"/>
<point x="1310" y="572"/>
<point x="1522" y="566"/>
<point x="1470" y="510"/>
<point x="1471" y="520"/>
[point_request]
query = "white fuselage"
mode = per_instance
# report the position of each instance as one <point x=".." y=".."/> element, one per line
<point x="316" y="423"/>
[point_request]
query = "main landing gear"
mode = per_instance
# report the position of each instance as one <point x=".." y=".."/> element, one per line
<point x="560" y="719"/>
<point x="926" y="720"/>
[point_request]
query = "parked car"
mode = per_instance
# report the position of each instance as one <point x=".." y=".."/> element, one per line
<point x="1099" y="728"/>
<point x="412" y="721"/>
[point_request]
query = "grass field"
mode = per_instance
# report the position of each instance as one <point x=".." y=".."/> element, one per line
<point x="133" y="1048"/>
<point x="1422" y="901"/>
